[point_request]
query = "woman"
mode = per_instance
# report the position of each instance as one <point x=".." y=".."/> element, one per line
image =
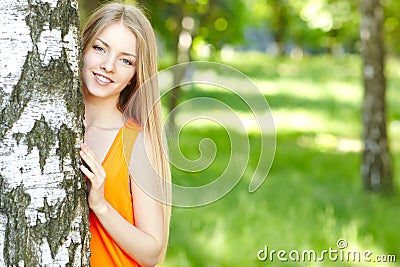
<point x="123" y="140"/>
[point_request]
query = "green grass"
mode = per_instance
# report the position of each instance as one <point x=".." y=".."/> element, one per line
<point x="313" y="194"/>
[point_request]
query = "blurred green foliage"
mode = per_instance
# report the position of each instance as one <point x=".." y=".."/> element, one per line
<point x="313" y="195"/>
<point x="311" y="26"/>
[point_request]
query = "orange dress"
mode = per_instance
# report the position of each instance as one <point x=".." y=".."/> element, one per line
<point x="104" y="251"/>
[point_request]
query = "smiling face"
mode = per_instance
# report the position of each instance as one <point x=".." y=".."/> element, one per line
<point x="109" y="63"/>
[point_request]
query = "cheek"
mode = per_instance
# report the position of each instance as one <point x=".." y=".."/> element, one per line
<point x="84" y="64"/>
<point x="129" y="75"/>
<point x="84" y="70"/>
<point x="88" y="62"/>
<point x="89" y="59"/>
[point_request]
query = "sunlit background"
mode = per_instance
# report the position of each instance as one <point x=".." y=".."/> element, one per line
<point x="304" y="58"/>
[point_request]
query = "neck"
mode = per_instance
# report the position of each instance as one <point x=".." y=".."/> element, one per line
<point x="102" y="113"/>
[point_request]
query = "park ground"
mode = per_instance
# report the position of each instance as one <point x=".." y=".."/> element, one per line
<point x="313" y="195"/>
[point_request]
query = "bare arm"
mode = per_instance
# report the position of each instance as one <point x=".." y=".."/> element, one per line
<point x="144" y="241"/>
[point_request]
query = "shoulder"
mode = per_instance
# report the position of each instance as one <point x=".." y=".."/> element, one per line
<point x="142" y="169"/>
<point x="141" y="152"/>
<point x="139" y="145"/>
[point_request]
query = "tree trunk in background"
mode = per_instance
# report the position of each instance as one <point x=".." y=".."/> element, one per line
<point x="43" y="208"/>
<point x="279" y="22"/>
<point x="182" y="55"/>
<point x="376" y="167"/>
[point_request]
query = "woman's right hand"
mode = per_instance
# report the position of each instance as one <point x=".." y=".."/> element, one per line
<point x="96" y="175"/>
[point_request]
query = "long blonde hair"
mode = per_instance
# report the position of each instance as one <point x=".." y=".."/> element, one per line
<point x="141" y="98"/>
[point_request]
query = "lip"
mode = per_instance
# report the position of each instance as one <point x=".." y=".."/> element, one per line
<point x="102" y="79"/>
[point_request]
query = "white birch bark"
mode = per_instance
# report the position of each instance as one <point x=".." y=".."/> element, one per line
<point x="42" y="201"/>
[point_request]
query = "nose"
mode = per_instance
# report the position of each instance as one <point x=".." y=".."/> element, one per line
<point x="108" y="64"/>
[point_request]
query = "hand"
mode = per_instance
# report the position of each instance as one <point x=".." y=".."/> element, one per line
<point x="96" y="175"/>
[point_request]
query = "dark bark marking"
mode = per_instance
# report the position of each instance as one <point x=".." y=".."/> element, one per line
<point x="42" y="137"/>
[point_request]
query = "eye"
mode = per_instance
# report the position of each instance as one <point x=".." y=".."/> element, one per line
<point x="98" y="48"/>
<point x="126" y="61"/>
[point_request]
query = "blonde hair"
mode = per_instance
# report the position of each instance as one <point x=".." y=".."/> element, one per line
<point x="141" y="98"/>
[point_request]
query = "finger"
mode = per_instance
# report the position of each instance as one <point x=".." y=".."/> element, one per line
<point x="86" y="149"/>
<point x="96" y="181"/>
<point x="90" y="158"/>
<point x="90" y="161"/>
<point x="97" y="171"/>
<point x="86" y="172"/>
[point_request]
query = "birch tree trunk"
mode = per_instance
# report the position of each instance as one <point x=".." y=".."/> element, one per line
<point x="376" y="167"/>
<point x="43" y="209"/>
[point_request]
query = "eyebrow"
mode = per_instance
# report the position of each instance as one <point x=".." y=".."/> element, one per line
<point x="108" y="46"/>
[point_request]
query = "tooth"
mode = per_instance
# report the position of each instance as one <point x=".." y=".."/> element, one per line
<point x="103" y="79"/>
